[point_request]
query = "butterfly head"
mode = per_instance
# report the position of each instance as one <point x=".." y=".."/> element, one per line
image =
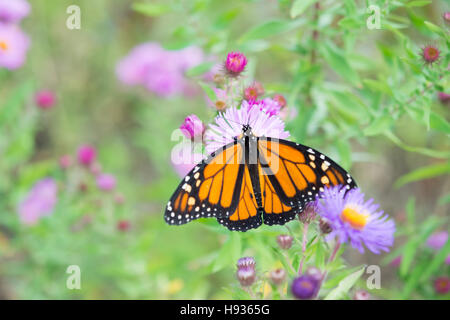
<point x="246" y="129"/>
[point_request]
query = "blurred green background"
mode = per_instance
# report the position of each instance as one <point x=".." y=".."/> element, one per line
<point x="364" y="97"/>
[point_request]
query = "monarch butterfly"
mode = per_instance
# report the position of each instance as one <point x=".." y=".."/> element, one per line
<point x="254" y="180"/>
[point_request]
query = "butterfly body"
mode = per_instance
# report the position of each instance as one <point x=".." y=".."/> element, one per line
<point x="254" y="180"/>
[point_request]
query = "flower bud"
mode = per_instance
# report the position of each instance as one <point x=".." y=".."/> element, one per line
<point x="193" y="128"/>
<point x="309" y="214"/>
<point x="123" y="225"/>
<point x="235" y="63"/>
<point x="324" y="226"/>
<point x="430" y="54"/>
<point x="86" y="155"/>
<point x="284" y="241"/>
<point x="446" y="17"/>
<point x="246" y="276"/>
<point x="45" y="99"/>
<point x="278" y="276"/>
<point x="315" y="273"/>
<point x="246" y="262"/>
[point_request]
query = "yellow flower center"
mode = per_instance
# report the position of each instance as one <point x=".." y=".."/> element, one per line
<point x="3" y="45"/>
<point x="220" y="105"/>
<point x="356" y="219"/>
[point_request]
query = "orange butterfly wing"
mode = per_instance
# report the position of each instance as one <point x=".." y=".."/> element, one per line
<point x="210" y="189"/>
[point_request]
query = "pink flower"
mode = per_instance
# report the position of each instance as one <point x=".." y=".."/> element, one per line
<point x="13" y="11"/>
<point x="430" y="54"/>
<point x="184" y="157"/>
<point x="45" y="99"/>
<point x="437" y="240"/>
<point x="123" y="225"/>
<point x="86" y="155"/>
<point x="235" y="63"/>
<point x="13" y="46"/>
<point x="106" y="182"/>
<point x="251" y="93"/>
<point x="193" y="128"/>
<point x="396" y="261"/>
<point x="268" y="105"/>
<point x="281" y="100"/>
<point x="228" y="125"/>
<point x="160" y="71"/>
<point x="39" y="201"/>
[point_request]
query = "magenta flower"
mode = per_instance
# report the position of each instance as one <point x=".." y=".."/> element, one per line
<point x="13" y="46"/>
<point x="45" y="99"/>
<point x="446" y="17"/>
<point x="437" y="240"/>
<point x="442" y="285"/>
<point x="106" y="182"/>
<point x="39" y="201"/>
<point x="355" y="220"/>
<point x="184" y="158"/>
<point x="430" y="54"/>
<point x="13" y="11"/>
<point x="160" y="71"/>
<point x="86" y="155"/>
<point x="228" y="125"/>
<point x="235" y="63"/>
<point x="193" y="128"/>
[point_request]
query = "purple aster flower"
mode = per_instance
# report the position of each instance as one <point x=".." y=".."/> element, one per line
<point x="193" y="128"/>
<point x="39" y="201"/>
<point x="305" y="287"/>
<point x="437" y="240"/>
<point x="228" y="125"/>
<point x="13" y="46"/>
<point x="12" y="11"/>
<point x="106" y="182"/>
<point x="354" y="220"/>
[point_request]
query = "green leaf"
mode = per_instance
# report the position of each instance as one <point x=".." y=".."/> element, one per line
<point x="338" y="62"/>
<point x="413" y="244"/>
<point x="345" y="285"/>
<point x="151" y="9"/>
<point x="418" y="3"/>
<point x="423" y="173"/>
<point x="434" y="28"/>
<point x="270" y="28"/>
<point x="299" y="6"/>
<point x="379" y="125"/>
<point x="208" y="90"/>
<point x="436" y="262"/>
<point x="229" y="252"/>
<point x="428" y="152"/>
<point x="199" y="69"/>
